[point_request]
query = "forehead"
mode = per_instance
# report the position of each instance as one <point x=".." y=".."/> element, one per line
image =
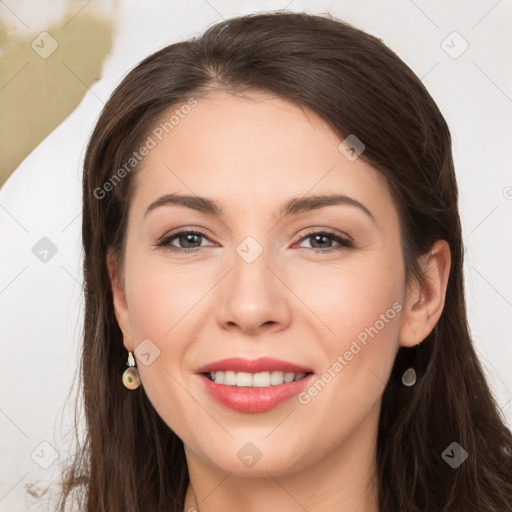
<point x="253" y="150"/>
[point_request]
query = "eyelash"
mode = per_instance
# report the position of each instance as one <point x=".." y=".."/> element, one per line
<point x="344" y="243"/>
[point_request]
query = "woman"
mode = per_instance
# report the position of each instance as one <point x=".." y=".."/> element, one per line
<point x="273" y="247"/>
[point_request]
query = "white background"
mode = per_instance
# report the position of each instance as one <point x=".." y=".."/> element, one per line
<point x="40" y="303"/>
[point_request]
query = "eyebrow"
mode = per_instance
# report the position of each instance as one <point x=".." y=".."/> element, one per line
<point x="292" y="206"/>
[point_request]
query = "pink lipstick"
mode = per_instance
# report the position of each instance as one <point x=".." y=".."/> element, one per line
<point x="254" y="386"/>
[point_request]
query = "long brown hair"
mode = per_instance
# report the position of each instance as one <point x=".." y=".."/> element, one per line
<point x="131" y="460"/>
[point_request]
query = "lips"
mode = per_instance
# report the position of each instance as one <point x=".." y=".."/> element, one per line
<point x="263" y="364"/>
<point x="252" y="397"/>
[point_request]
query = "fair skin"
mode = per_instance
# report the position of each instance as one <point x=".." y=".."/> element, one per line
<point x="251" y="155"/>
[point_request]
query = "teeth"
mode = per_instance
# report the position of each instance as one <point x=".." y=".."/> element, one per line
<point x="276" y="378"/>
<point x="229" y="378"/>
<point x="261" y="380"/>
<point x="288" y="377"/>
<point x="243" y="379"/>
<point x="255" y="380"/>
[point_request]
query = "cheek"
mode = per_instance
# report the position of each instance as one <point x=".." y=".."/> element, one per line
<point x="350" y="297"/>
<point x="360" y="305"/>
<point x="161" y="298"/>
<point x="164" y="302"/>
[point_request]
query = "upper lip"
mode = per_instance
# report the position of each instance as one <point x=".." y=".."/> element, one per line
<point x="263" y="364"/>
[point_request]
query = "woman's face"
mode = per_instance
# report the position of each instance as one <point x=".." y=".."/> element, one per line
<point x="275" y="273"/>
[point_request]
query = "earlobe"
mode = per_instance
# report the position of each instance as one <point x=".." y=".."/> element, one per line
<point x="119" y="300"/>
<point x="425" y="300"/>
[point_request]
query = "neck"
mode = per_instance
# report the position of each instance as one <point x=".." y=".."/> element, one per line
<point x="343" y="480"/>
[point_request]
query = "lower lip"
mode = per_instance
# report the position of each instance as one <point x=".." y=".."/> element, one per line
<point x="254" y="400"/>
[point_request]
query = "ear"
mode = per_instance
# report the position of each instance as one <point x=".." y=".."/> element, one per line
<point x="425" y="300"/>
<point x="119" y="300"/>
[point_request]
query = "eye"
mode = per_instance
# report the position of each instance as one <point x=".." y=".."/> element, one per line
<point x="187" y="241"/>
<point x="192" y="240"/>
<point x="322" y="241"/>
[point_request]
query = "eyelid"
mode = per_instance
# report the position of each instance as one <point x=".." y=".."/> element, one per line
<point x="326" y="231"/>
<point x="343" y="240"/>
<point x="164" y="241"/>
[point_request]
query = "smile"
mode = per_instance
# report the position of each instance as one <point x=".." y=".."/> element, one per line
<point x="254" y="380"/>
<point x="254" y="386"/>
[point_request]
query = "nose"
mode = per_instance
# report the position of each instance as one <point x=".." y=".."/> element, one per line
<point x="252" y="298"/>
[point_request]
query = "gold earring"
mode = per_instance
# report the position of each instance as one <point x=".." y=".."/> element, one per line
<point x="131" y="377"/>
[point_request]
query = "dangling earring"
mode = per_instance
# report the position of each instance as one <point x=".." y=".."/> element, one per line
<point x="131" y="378"/>
<point x="409" y="377"/>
